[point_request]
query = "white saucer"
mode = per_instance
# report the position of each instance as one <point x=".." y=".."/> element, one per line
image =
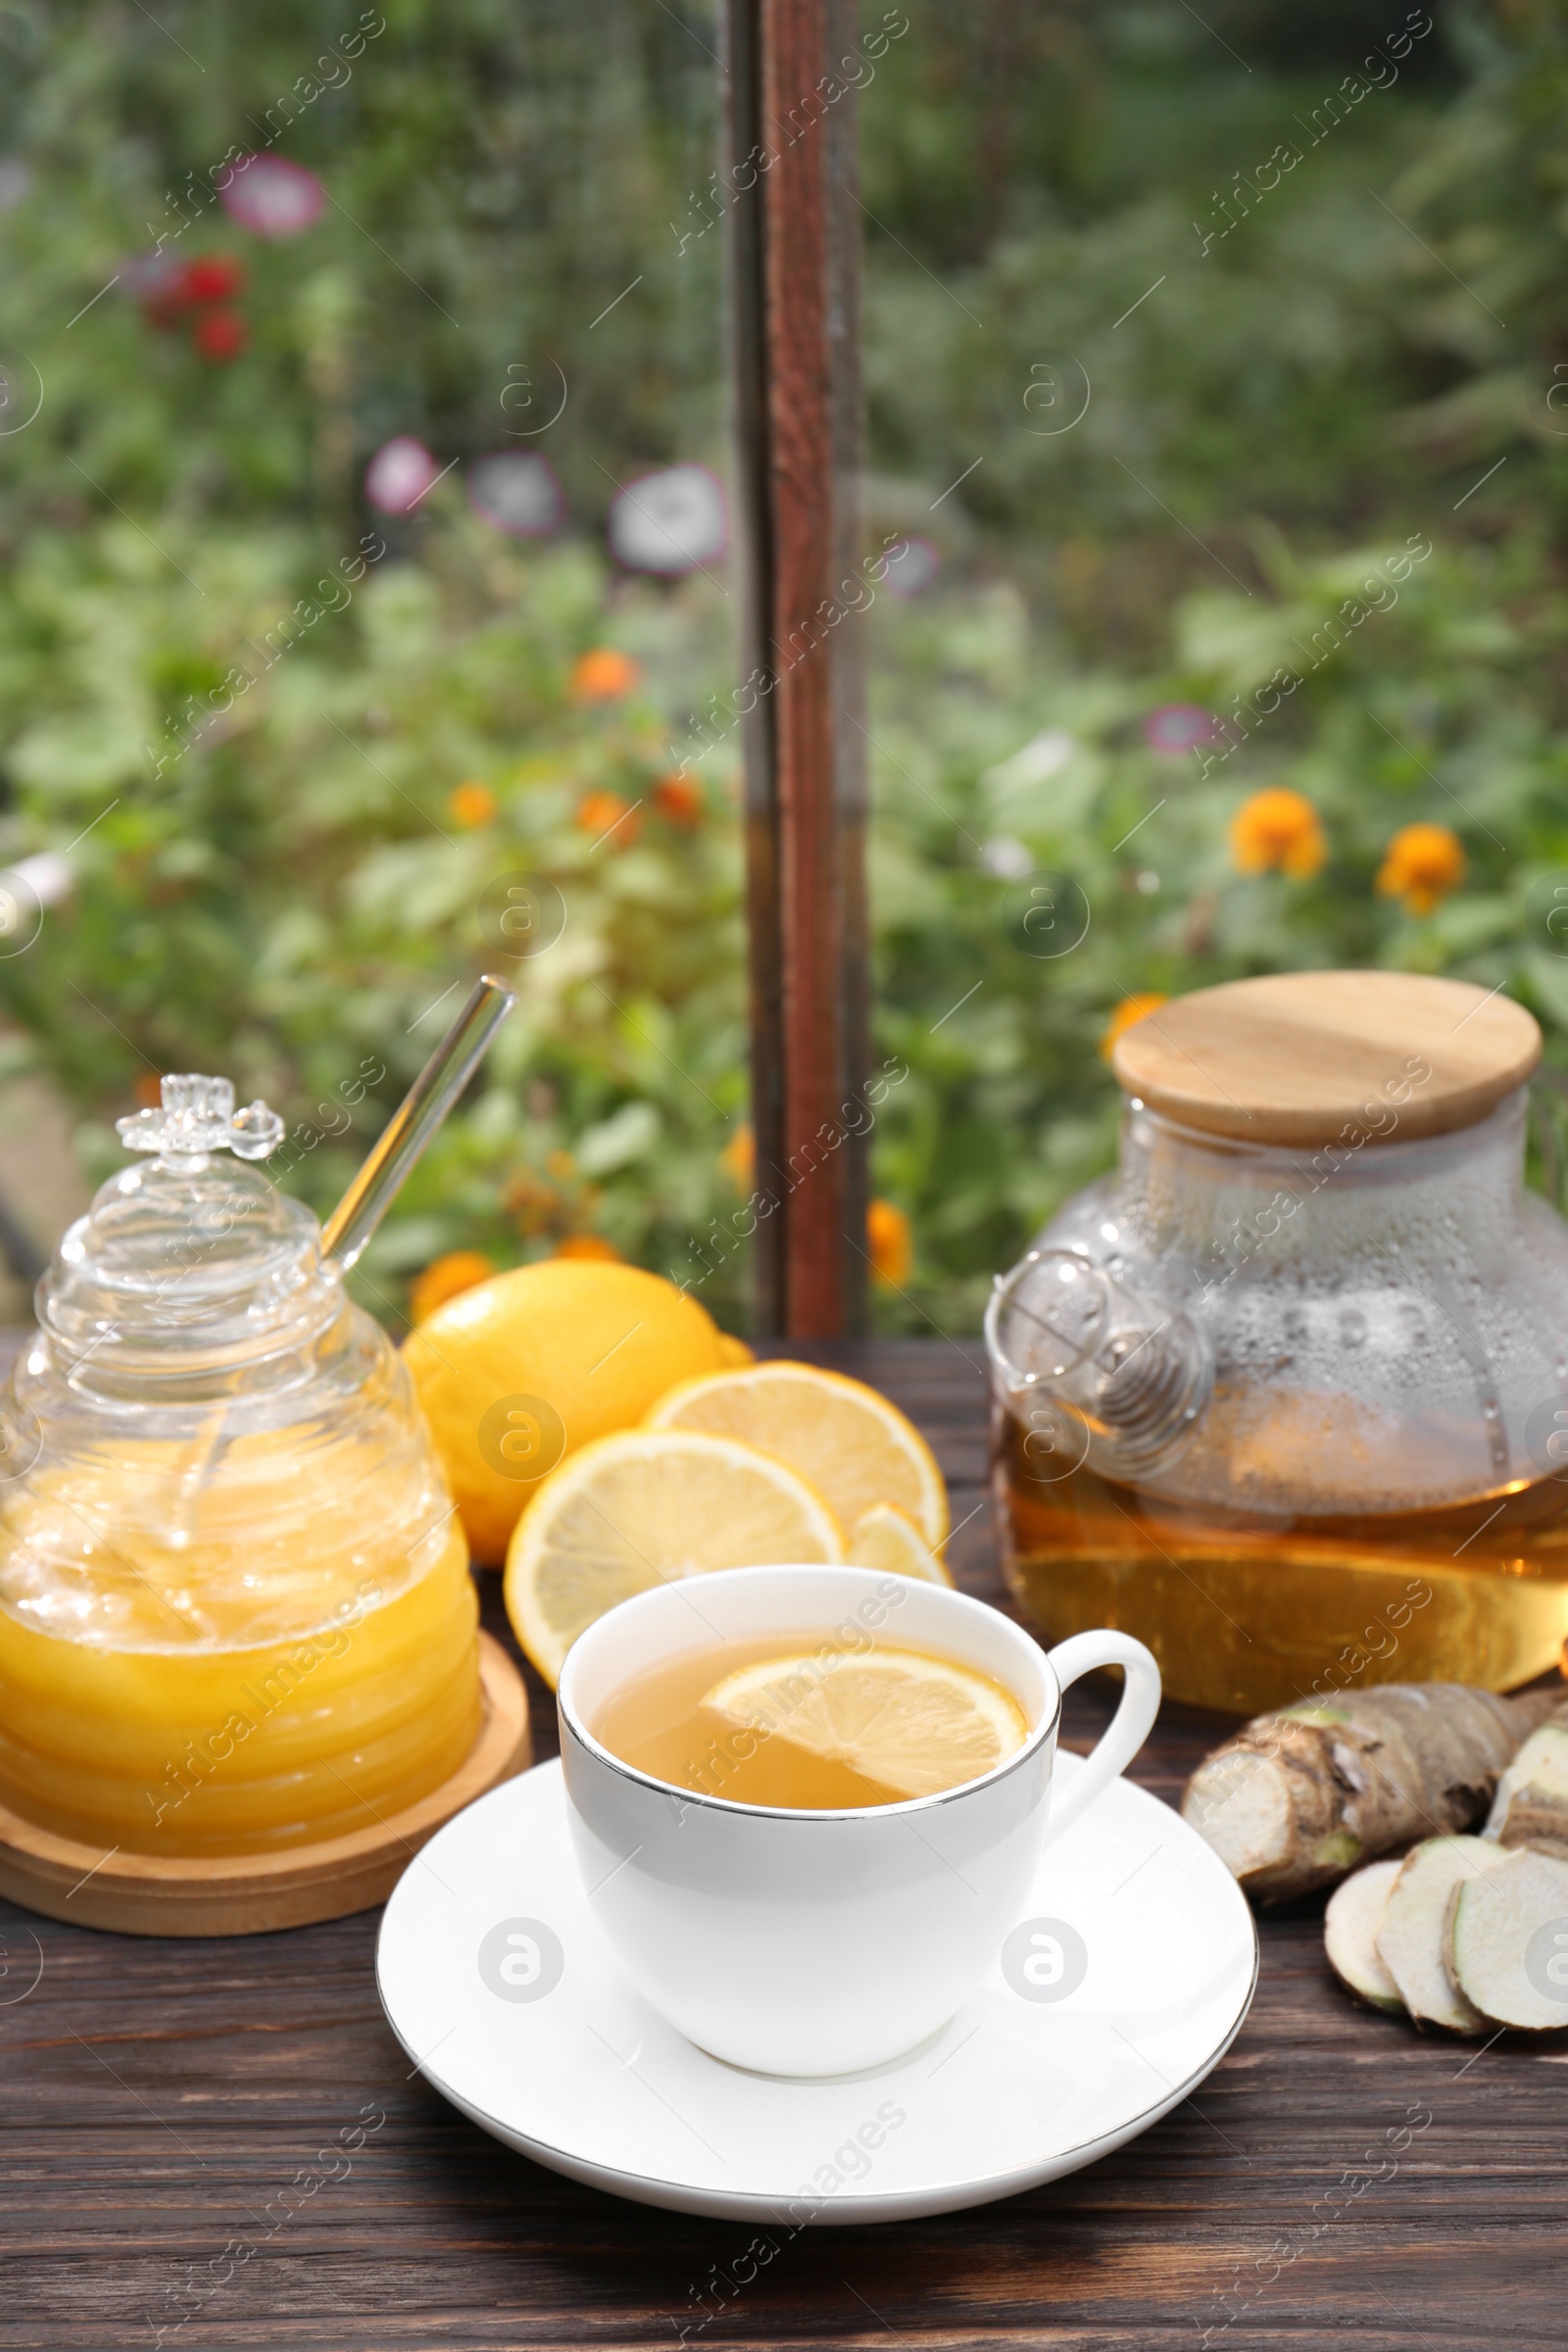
<point x="1143" y="1994"/>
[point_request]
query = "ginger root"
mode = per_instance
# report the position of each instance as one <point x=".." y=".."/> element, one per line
<point x="1412" y="1933"/>
<point x="1299" y="1798"/>
<point x="1351" y="1927"/>
<point x="1508" y="1942"/>
<point x="1531" y="1806"/>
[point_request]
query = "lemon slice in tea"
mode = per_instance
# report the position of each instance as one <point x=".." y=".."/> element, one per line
<point x="911" y="1724"/>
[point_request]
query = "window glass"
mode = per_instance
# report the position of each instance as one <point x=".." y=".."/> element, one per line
<point x="1214" y="371"/>
<point x="362" y="458"/>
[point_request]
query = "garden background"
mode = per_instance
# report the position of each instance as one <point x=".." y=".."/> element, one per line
<point x="1217" y="398"/>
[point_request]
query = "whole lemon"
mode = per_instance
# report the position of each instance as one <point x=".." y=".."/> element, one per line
<point x="519" y="1371"/>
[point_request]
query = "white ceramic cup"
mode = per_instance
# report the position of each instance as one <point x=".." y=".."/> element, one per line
<point x="822" y="1942"/>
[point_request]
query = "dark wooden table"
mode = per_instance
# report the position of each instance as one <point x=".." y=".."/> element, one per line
<point x="1339" y="2176"/>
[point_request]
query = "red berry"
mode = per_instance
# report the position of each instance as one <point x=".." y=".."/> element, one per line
<point x="220" y="335"/>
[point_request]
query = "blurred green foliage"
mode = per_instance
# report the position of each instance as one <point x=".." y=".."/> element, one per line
<point x="278" y="888"/>
<point x="1292" y="371"/>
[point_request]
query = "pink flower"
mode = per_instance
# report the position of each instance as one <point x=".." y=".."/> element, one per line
<point x="399" y="475"/>
<point x="1178" y="727"/>
<point x="271" y="196"/>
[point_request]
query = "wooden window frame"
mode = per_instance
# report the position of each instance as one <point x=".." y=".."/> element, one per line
<point x="793" y="259"/>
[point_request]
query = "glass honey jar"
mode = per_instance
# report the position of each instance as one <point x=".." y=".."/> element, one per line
<point x="236" y="1608"/>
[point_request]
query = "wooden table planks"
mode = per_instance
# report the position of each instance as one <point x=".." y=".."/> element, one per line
<point x="1337" y="2177"/>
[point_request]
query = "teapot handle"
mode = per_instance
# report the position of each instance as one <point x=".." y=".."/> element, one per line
<point x="1127" y="1729"/>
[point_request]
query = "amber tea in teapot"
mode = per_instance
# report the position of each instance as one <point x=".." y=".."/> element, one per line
<point x="1287" y="1396"/>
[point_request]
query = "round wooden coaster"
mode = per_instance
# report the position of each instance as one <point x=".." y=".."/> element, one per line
<point x="249" y="1894"/>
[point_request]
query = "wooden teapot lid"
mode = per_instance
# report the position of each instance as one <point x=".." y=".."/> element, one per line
<point x="1297" y="1057"/>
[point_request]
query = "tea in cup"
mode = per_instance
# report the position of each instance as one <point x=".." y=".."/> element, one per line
<point x="808" y="1803"/>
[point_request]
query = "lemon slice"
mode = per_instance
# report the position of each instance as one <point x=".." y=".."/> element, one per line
<point x="915" y="1725"/>
<point x="883" y="1538"/>
<point x="856" y="1448"/>
<point x="642" y="1509"/>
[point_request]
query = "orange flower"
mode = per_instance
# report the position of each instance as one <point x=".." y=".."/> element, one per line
<point x="474" y="805"/>
<point x="148" y="1089"/>
<point x="587" y="1245"/>
<point x="537" y="1206"/>
<point x="1421" y="864"/>
<point x="603" y="675"/>
<point x="678" y="798"/>
<point x="1278" y="829"/>
<point x="1127" y="1014"/>
<point x="889" y="1245"/>
<point x="737" y="1160"/>
<point x="606" y="815"/>
<point x="460" y="1270"/>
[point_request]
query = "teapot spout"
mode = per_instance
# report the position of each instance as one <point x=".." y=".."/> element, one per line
<point x="1101" y="1371"/>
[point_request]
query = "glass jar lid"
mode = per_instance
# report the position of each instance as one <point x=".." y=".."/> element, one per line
<point x="189" y="1264"/>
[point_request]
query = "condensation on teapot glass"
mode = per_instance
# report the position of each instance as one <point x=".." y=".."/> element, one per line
<point x="1256" y="1328"/>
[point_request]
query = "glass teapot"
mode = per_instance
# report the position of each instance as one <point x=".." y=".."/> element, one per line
<point x="235" y="1612"/>
<point x="1287" y="1395"/>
